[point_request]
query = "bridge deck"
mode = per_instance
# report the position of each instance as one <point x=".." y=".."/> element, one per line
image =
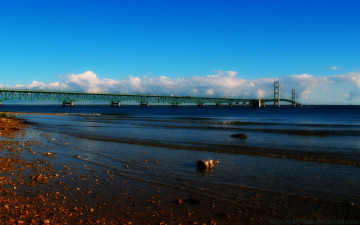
<point x="70" y="97"/>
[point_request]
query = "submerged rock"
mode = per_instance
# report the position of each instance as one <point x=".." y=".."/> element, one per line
<point x="241" y="136"/>
<point x="206" y="164"/>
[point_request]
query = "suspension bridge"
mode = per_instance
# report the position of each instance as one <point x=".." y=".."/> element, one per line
<point x="68" y="98"/>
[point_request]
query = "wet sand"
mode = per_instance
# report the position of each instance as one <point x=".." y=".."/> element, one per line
<point x="39" y="187"/>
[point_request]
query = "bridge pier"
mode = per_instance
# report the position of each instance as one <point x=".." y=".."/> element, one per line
<point x="200" y="105"/>
<point x="144" y="105"/>
<point x="175" y="105"/>
<point x="114" y="104"/>
<point x="244" y="104"/>
<point x="71" y="104"/>
<point x="256" y="103"/>
<point x="230" y="105"/>
<point x="218" y="105"/>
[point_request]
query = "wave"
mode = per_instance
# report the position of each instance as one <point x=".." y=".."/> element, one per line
<point x="302" y="132"/>
<point x="322" y="157"/>
<point x="256" y="123"/>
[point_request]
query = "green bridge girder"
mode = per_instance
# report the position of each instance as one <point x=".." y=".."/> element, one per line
<point x="70" y="97"/>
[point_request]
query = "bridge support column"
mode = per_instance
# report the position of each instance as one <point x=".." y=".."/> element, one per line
<point x="71" y="104"/>
<point x="218" y="105"/>
<point x="175" y="105"/>
<point x="200" y="105"/>
<point x="115" y="104"/>
<point x="244" y="104"/>
<point x="144" y="105"/>
<point x="237" y="104"/>
<point x="256" y="103"/>
<point x="230" y="105"/>
<point x="293" y="98"/>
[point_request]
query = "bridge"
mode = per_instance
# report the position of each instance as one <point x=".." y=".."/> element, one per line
<point x="68" y="98"/>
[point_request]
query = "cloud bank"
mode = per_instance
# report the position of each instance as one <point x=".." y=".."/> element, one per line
<point x="335" y="89"/>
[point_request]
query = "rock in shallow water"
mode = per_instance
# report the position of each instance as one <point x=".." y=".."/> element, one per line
<point x="206" y="164"/>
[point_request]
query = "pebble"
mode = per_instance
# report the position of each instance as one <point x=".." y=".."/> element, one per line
<point x="179" y="201"/>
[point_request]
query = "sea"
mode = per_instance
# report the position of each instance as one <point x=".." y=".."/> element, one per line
<point x="308" y="154"/>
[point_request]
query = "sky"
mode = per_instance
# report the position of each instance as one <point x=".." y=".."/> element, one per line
<point x="221" y="48"/>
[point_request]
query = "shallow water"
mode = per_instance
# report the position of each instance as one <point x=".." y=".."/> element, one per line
<point x="305" y="153"/>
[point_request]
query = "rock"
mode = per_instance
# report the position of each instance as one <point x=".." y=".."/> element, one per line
<point x="241" y="136"/>
<point x="179" y="201"/>
<point x="205" y="164"/>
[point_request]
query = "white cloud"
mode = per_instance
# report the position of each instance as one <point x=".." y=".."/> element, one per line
<point x="232" y="73"/>
<point x="335" y="68"/>
<point x="57" y="85"/>
<point x="344" y="88"/>
<point x="352" y="80"/>
<point x="89" y="82"/>
<point x="260" y="93"/>
<point x="210" y="92"/>
<point x="36" y="85"/>
<point x="229" y="73"/>
<point x="304" y="84"/>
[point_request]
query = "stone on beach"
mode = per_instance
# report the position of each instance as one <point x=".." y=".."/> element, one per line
<point x="206" y="164"/>
<point x="179" y="201"/>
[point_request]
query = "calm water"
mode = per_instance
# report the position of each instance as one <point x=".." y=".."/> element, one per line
<point x="306" y="153"/>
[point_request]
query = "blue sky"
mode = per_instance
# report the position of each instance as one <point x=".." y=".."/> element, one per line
<point x="48" y="41"/>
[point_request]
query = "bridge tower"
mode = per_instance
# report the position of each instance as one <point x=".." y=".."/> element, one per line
<point x="277" y="94"/>
<point x="293" y="97"/>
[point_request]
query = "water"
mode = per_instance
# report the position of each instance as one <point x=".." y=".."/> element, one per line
<point x="304" y="153"/>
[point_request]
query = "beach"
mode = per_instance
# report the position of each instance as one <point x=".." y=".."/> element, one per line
<point x="134" y="169"/>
